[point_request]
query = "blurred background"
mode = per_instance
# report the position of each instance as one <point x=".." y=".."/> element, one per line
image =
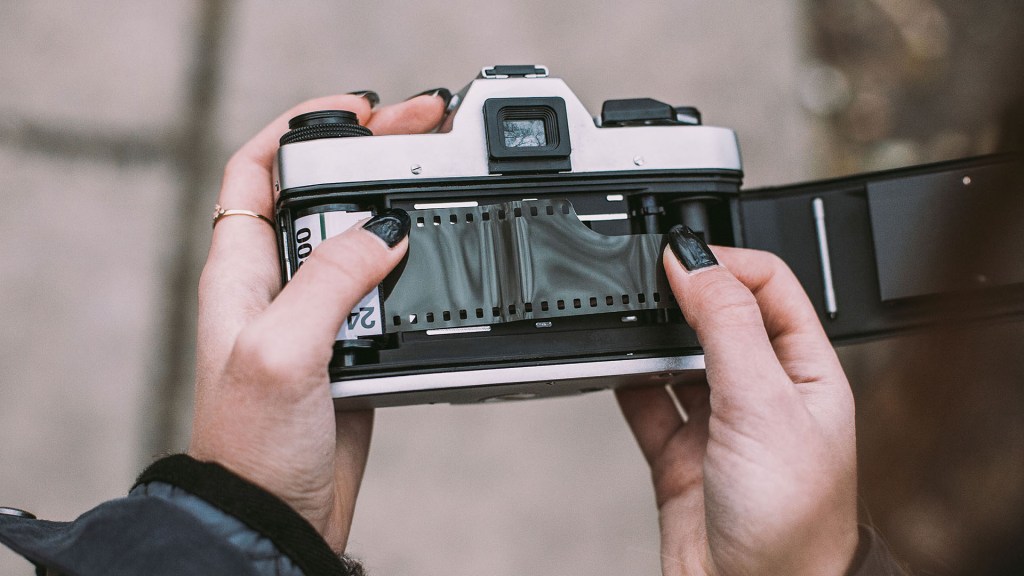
<point x="116" y="119"/>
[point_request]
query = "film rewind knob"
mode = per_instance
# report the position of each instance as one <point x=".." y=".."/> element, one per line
<point x="324" y="124"/>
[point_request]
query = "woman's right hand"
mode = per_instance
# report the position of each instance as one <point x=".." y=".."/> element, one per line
<point x="761" y="478"/>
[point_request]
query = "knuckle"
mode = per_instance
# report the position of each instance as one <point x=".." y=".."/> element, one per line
<point x="232" y="166"/>
<point x="762" y="270"/>
<point x="723" y="300"/>
<point x="763" y="256"/>
<point x="242" y="167"/>
<point x="337" y="266"/>
<point x="777" y="261"/>
<point x="257" y="353"/>
<point x="777" y="267"/>
<point x="773" y="262"/>
<point x="774" y="267"/>
<point x="357" y="260"/>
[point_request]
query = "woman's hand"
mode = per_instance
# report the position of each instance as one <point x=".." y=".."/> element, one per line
<point x="263" y="405"/>
<point x="761" y="478"/>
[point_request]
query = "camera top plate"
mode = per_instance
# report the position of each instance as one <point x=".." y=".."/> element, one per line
<point x="459" y="148"/>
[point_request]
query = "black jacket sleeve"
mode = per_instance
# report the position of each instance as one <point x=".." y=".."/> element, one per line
<point x="182" y="517"/>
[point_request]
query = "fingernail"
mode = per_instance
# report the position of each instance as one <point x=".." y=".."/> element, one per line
<point x="691" y="250"/>
<point x="390" y="226"/>
<point x="444" y="93"/>
<point x="372" y="97"/>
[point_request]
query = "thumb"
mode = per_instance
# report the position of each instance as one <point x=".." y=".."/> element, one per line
<point x="310" y="310"/>
<point x="742" y="368"/>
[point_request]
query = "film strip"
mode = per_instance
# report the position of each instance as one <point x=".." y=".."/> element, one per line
<point x="516" y="261"/>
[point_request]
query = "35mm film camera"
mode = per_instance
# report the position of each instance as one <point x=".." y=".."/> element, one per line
<point x="533" y="265"/>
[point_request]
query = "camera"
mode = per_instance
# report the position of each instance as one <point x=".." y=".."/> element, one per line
<point x="534" y="262"/>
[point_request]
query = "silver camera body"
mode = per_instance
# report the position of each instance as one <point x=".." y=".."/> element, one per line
<point x="534" y="264"/>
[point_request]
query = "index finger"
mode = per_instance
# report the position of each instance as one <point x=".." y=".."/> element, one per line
<point x="742" y="367"/>
<point x="792" y="324"/>
<point x="760" y="334"/>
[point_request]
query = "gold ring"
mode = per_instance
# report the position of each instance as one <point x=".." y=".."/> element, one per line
<point x="219" y="213"/>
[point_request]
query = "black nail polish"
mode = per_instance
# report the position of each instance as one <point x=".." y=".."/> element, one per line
<point x="690" y="249"/>
<point x="444" y="93"/>
<point x="372" y="97"/>
<point x="390" y="226"/>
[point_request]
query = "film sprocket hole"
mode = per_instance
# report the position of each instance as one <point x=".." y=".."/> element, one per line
<point x="533" y="266"/>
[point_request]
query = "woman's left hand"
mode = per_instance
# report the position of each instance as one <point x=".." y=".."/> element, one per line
<point x="263" y="405"/>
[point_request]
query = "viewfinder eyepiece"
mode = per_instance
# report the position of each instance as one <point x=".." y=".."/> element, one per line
<point x="527" y="135"/>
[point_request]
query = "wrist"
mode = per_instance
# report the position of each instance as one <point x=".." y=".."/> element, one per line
<point x="251" y="504"/>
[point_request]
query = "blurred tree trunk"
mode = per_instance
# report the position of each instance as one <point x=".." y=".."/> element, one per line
<point x="940" y="415"/>
<point x="900" y="82"/>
